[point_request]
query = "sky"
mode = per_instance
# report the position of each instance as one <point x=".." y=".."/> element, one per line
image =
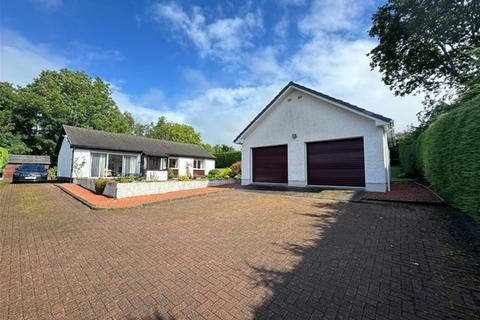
<point x="210" y="64"/>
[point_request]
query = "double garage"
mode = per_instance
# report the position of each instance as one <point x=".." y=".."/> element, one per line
<point x="328" y="163"/>
<point x="306" y="138"/>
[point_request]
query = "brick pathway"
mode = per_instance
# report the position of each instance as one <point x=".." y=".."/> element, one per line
<point x="232" y="255"/>
<point x="101" y="202"/>
<point x="405" y="192"/>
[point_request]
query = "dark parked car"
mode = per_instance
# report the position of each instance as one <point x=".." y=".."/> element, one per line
<point x="30" y="173"/>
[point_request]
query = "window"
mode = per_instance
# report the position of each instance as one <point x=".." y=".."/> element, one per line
<point x="156" y="163"/>
<point x="98" y="165"/>
<point x="112" y="165"/>
<point x="197" y="164"/>
<point x="115" y="165"/>
<point x="130" y="163"/>
<point x="173" y="163"/>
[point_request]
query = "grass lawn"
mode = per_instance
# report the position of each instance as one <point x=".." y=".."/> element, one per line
<point x="397" y="175"/>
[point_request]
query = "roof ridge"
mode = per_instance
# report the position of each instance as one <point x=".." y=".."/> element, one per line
<point x="131" y="135"/>
<point x="348" y="105"/>
<point x="345" y="103"/>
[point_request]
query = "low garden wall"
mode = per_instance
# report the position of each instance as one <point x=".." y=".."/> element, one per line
<point x="124" y="190"/>
<point x="87" y="183"/>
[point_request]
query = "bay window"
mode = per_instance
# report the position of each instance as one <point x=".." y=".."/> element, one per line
<point x="112" y="165"/>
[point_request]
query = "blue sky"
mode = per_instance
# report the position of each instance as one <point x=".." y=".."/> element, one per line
<point x="213" y="65"/>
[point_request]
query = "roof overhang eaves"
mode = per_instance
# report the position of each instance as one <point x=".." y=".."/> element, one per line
<point x="239" y="139"/>
<point x="190" y="156"/>
<point x="378" y="119"/>
<point x="85" y="147"/>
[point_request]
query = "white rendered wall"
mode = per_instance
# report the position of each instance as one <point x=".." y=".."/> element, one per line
<point x="312" y="120"/>
<point x="64" y="163"/>
<point x="185" y="165"/>
<point x="157" y="175"/>
<point x="124" y="190"/>
<point x="209" y="165"/>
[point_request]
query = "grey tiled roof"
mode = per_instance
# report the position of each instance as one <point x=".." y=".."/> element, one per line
<point x="25" y="158"/>
<point x="317" y="93"/>
<point x="95" y="139"/>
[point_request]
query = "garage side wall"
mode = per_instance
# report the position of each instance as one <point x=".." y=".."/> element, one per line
<point x="311" y="119"/>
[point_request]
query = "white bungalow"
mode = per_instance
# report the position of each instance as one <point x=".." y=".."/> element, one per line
<point x="87" y="153"/>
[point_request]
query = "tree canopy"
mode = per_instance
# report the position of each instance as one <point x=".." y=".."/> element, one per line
<point x="219" y="148"/>
<point x="427" y="45"/>
<point x="178" y="132"/>
<point x="10" y="139"/>
<point x="31" y="117"/>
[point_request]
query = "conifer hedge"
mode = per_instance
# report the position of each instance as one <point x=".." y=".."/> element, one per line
<point x="447" y="154"/>
<point x="225" y="160"/>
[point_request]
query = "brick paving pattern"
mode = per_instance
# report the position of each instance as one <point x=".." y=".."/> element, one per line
<point x="103" y="202"/>
<point x="405" y="192"/>
<point x="232" y="255"/>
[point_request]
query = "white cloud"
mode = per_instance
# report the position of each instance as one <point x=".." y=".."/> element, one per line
<point x="140" y="106"/>
<point x="327" y="61"/>
<point x="219" y="114"/>
<point x="196" y="78"/>
<point x="281" y="27"/>
<point x="21" y="60"/>
<point x="332" y="15"/>
<point x="48" y="5"/>
<point x="290" y="2"/>
<point x="340" y="68"/>
<point x="223" y="38"/>
<point x="86" y="54"/>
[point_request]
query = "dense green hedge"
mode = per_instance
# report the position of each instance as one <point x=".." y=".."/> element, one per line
<point x="447" y="154"/>
<point x="407" y="148"/>
<point x="3" y="159"/>
<point x="225" y="160"/>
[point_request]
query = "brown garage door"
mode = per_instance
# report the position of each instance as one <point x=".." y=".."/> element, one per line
<point x="336" y="163"/>
<point x="270" y="164"/>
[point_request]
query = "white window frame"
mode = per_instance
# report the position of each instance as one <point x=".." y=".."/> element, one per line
<point x="91" y="163"/>
<point x="176" y="160"/>
<point x="107" y="155"/>
<point x="199" y="161"/>
<point x="163" y="163"/>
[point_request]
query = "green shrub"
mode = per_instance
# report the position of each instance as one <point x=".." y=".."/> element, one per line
<point x="170" y="173"/>
<point x="126" y="179"/>
<point x="52" y="173"/>
<point x="223" y="173"/>
<point x="3" y="159"/>
<point x="447" y="154"/>
<point x="212" y="174"/>
<point x="224" y="160"/>
<point x="100" y="185"/>
<point x="183" y="178"/>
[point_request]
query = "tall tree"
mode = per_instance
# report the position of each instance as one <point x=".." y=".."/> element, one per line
<point x="223" y="148"/>
<point x="167" y="130"/>
<point x="427" y="45"/>
<point x="67" y="97"/>
<point x="9" y="138"/>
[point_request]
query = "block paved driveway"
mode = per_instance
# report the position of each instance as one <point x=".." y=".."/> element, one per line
<point x="232" y="254"/>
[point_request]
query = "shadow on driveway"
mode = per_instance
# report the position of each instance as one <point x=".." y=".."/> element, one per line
<point x="365" y="264"/>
